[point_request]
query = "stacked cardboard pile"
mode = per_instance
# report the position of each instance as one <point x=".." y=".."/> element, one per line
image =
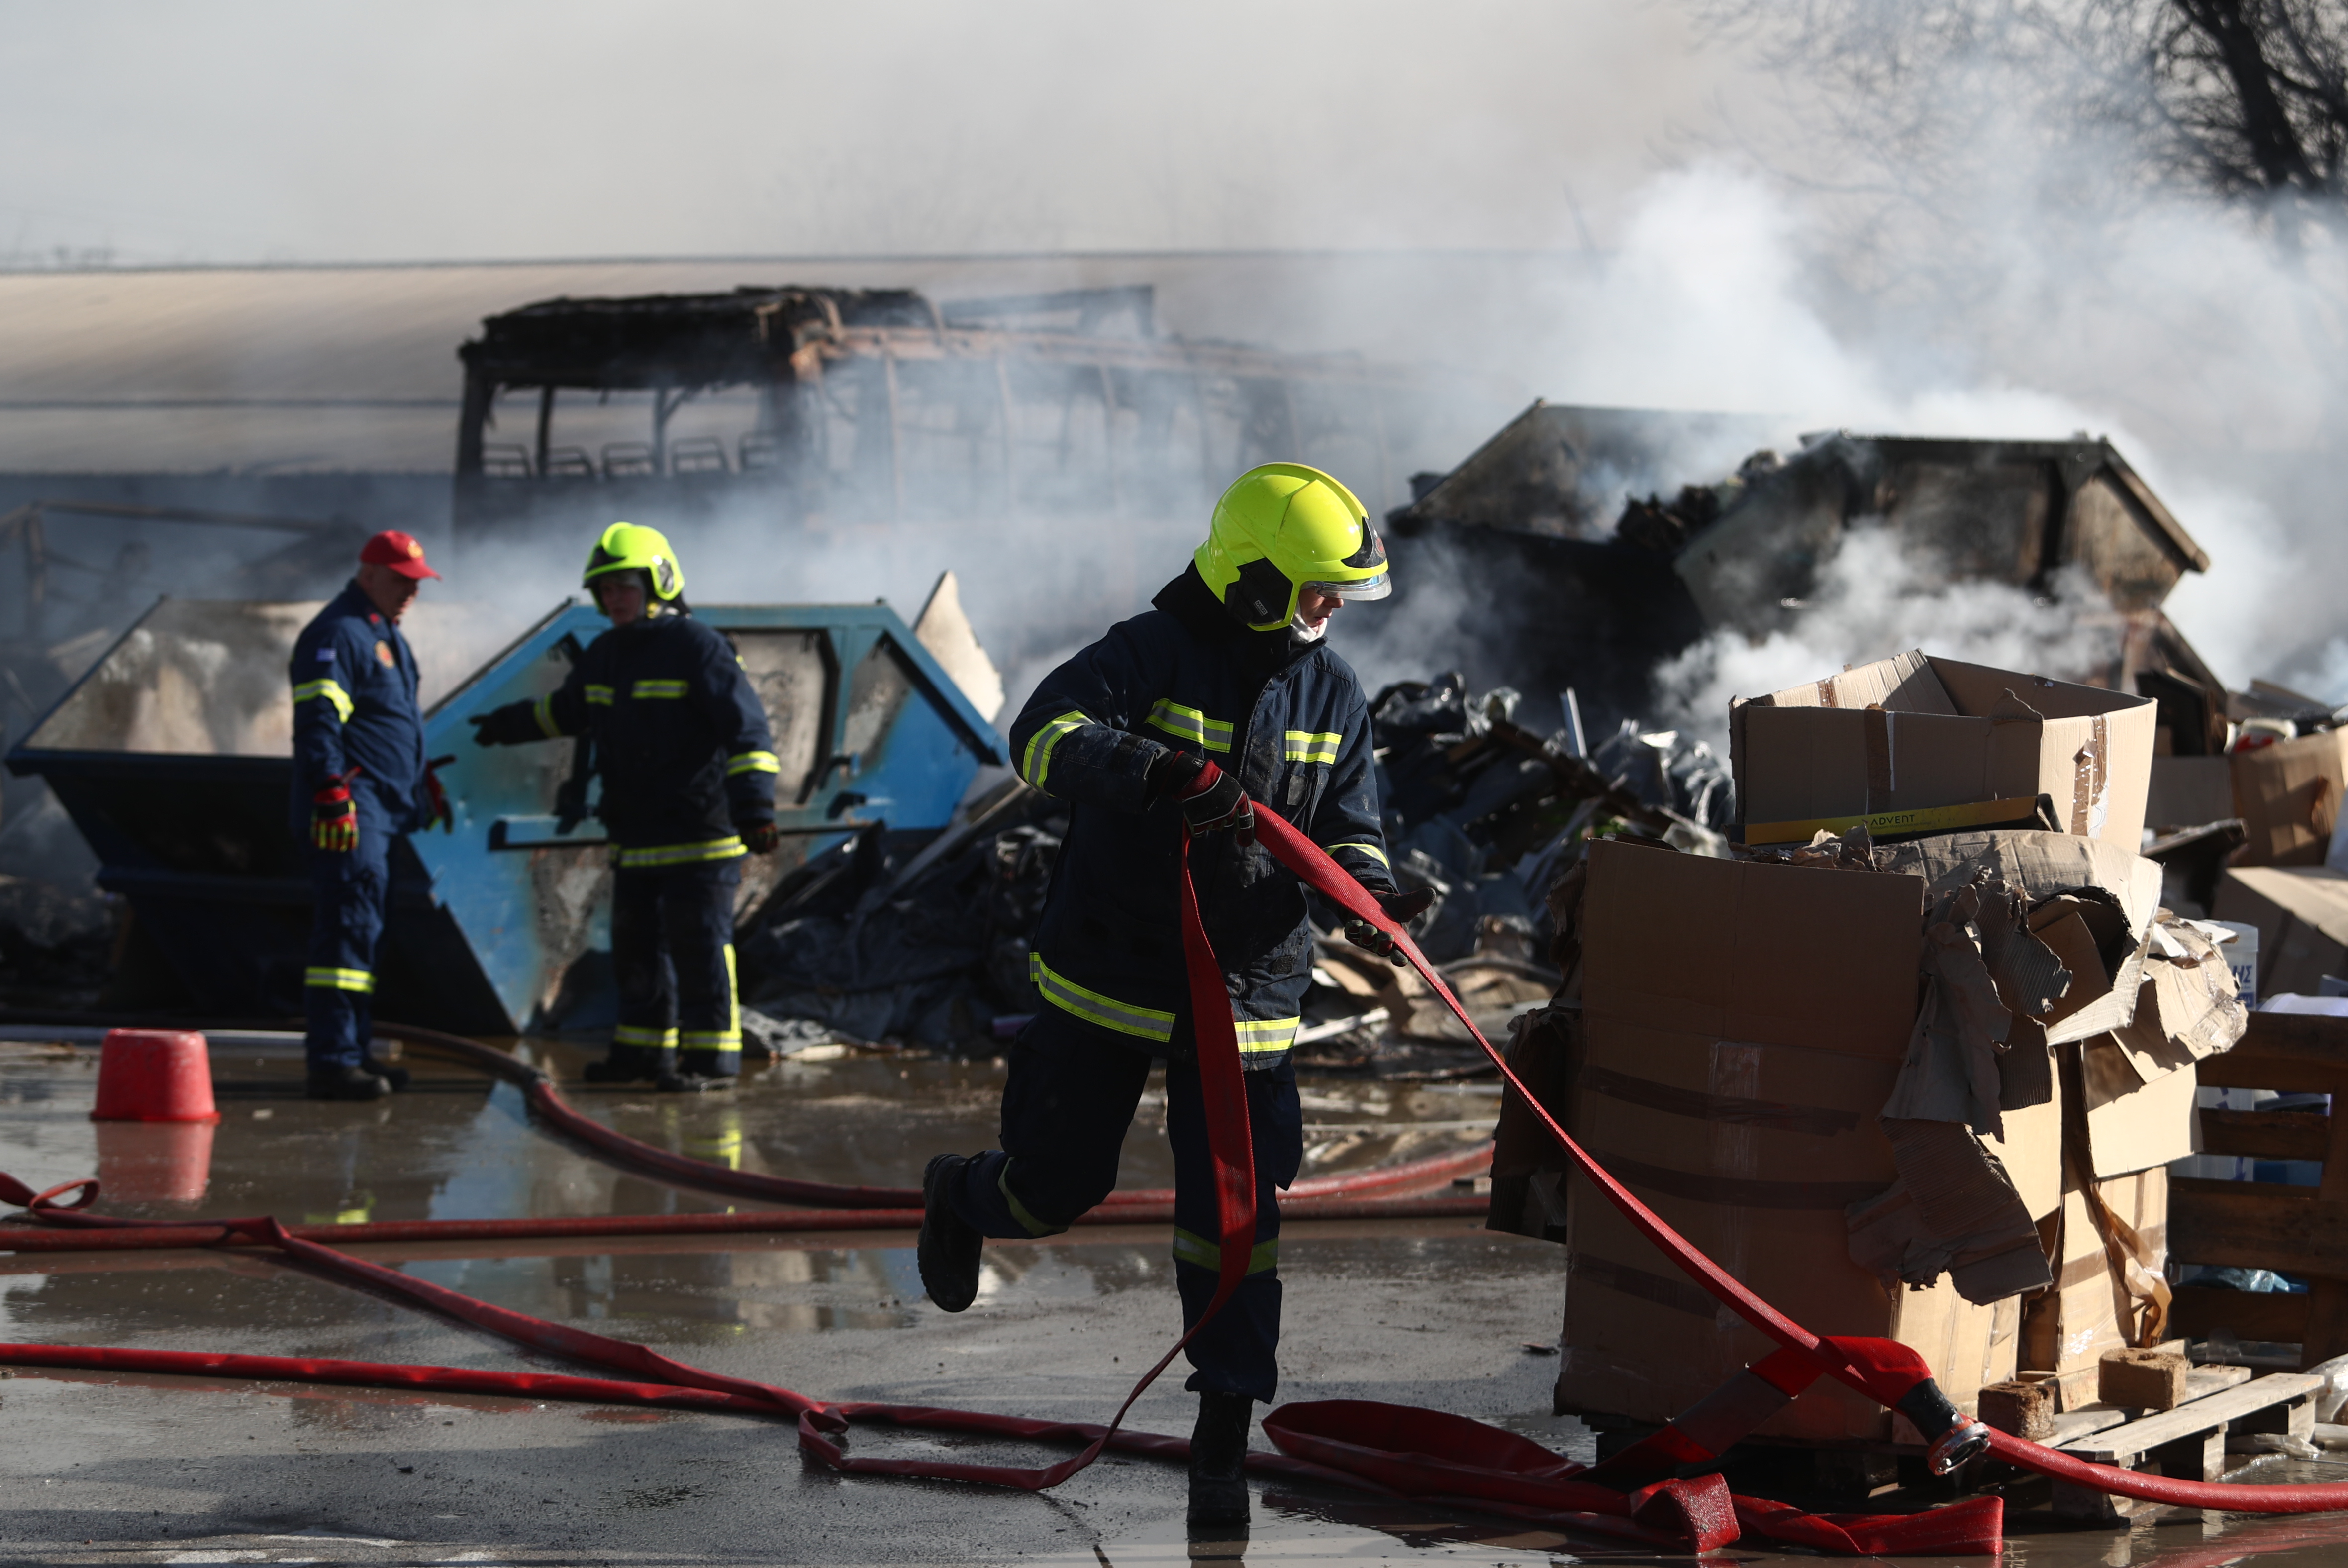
<point x="2289" y="879"/>
<point x="1922" y="1089"/>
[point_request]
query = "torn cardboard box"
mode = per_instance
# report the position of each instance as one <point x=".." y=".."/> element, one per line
<point x="2104" y="1287"/>
<point x="1528" y="1170"/>
<point x="2023" y="935"/>
<point x="1916" y="735"/>
<point x="2114" y="894"/>
<point x="2138" y="1082"/>
<point x="1743" y="1023"/>
<point x="2301" y="916"/>
<point x="2288" y="796"/>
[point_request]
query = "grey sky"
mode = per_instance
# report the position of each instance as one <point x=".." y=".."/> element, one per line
<point x="252" y="130"/>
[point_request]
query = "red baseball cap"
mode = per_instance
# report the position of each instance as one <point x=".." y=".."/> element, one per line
<point x="397" y="550"/>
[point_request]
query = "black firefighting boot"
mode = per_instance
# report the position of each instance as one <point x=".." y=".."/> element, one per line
<point x="698" y="1069"/>
<point x="395" y="1077"/>
<point x="1219" y="1446"/>
<point x="347" y="1081"/>
<point x="949" y="1248"/>
<point x="632" y="1064"/>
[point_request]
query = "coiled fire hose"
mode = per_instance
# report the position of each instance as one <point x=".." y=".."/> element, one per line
<point x="1422" y="1454"/>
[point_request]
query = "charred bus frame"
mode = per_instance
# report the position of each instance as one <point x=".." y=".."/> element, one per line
<point x="878" y="405"/>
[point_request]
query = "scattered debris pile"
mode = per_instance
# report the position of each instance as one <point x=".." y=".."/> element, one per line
<point x="929" y="951"/>
<point x="1958" y="1062"/>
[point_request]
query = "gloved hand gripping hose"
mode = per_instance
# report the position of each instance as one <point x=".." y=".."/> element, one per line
<point x="1211" y="798"/>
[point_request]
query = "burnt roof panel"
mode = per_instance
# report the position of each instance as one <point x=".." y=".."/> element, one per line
<point x="675" y="340"/>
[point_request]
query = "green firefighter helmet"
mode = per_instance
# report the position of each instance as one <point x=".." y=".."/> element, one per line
<point x="630" y="547"/>
<point x="1284" y="527"/>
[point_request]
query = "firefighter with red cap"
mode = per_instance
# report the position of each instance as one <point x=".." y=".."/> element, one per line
<point x="360" y="780"/>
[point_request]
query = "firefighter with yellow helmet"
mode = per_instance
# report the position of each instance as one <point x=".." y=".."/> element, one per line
<point x="688" y="767"/>
<point x="1224" y="698"/>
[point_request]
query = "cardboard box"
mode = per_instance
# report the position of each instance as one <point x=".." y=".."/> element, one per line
<point x="1744" y="1023"/>
<point x="2186" y="791"/>
<point x="2133" y="1125"/>
<point x="2301" y="916"/>
<point x="2065" y="1332"/>
<point x="2288" y="796"/>
<point x="1641" y="1340"/>
<point x="1913" y="733"/>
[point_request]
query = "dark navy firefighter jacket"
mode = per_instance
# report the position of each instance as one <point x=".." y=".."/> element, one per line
<point x="354" y="703"/>
<point x="1289" y="719"/>
<point x="680" y="739"/>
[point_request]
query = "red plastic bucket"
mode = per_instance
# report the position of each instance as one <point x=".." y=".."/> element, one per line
<point x="155" y="1075"/>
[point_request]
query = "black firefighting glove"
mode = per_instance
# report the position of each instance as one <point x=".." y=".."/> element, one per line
<point x="436" y="797"/>
<point x="1402" y="908"/>
<point x="761" y="837"/>
<point x="508" y="726"/>
<point x="334" y="817"/>
<point x="1211" y="798"/>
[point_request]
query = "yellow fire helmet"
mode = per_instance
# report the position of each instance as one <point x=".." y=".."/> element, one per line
<point x="627" y="547"/>
<point x="1284" y="527"/>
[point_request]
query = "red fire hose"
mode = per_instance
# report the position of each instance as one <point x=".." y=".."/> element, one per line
<point x="537" y="1088"/>
<point x="1377" y="1447"/>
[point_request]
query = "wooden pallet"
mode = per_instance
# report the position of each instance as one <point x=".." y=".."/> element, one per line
<point x="2189" y="1441"/>
<point x="2262" y="1224"/>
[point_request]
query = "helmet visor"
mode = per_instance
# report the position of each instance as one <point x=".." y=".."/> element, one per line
<point x="1377" y="587"/>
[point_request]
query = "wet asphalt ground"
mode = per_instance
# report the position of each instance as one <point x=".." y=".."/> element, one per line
<point x="101" y="1467"/>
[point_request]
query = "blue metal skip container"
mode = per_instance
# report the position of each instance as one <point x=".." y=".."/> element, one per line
<point x="172" y="756"/>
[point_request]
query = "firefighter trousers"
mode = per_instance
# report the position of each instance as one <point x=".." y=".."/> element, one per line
<point x="673" y="957"/>
<point x="1066" y="1105"/>
<point x="350" y="895"/>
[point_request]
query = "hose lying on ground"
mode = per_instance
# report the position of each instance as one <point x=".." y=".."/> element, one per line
<point x="1383" y="1448"/>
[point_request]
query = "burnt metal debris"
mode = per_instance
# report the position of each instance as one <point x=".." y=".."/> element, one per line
<point x="1524" y="519"/>
<point x="880" y="404"/>
<point x="928" y="950"/>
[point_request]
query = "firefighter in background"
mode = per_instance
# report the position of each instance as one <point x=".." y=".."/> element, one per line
<point x="359" y="779"/>
<point x="1222" y="700"/>
<point x="688" y="771"/>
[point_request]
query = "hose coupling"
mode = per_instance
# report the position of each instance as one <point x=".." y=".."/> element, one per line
<point x="1952" y="1436"/>
<point x="1965" y="1441"/>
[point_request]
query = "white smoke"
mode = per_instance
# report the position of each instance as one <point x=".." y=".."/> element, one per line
<point x="1874" y="599"/>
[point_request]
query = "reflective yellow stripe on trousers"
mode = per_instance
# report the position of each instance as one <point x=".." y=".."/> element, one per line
<point x="1257" y="1037"/>
<point x="1144" y="1023"/>
<point x="1190" y="1247"/>
<point x="655" y="855"/>
<point x="330" y="979"/>
<point x="1266" y="1037"/>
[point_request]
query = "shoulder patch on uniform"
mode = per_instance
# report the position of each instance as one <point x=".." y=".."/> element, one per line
<point x="385" y="656"/>
<point x="325" y="655"/>
<point x="373" y="619"/>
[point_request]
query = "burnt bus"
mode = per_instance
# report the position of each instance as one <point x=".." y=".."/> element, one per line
<point x="864" y="406"/>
